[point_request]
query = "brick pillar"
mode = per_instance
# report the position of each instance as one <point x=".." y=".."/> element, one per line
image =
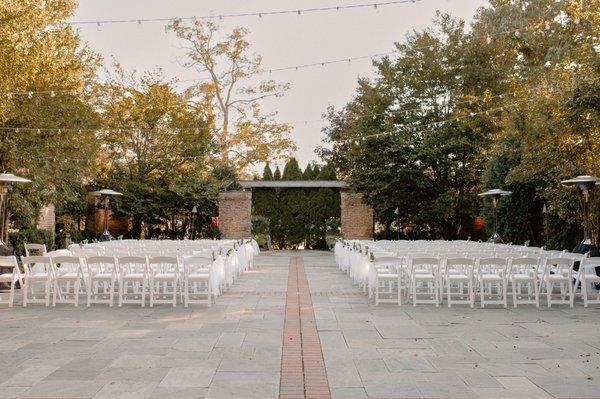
<point x="235" y="214"/>
<point x="357" y="217"/>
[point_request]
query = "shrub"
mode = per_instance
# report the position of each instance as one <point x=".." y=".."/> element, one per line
<point x="18" y="239"/>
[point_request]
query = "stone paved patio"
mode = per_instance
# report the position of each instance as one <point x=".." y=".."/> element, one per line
<point x="234" y="349"/>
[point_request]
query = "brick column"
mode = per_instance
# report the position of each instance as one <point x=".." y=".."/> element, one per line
<point x="357" y="217"/>
<point x="235" y="214"/>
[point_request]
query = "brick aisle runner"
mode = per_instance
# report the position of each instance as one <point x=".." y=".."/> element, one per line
<point x="303" y="372"/>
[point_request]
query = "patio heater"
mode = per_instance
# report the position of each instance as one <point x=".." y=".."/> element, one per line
<point x="194" y="216"/>
<point x="585" y="186"/>
<point x="6" y="180"/>
<point x="495" y="194"/>
<point x="106" y="195"/>
<point x="397" y="213"/>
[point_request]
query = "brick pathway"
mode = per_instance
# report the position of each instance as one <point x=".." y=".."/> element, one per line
<point x="303" y="372"/>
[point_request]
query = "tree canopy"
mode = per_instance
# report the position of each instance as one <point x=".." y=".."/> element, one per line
<point x="511" y="102"/>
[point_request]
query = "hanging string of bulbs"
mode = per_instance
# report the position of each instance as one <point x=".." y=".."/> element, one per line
<point x="259" y="14"/>
<point x="516" y="31"/>
<point x="120" y="130"/>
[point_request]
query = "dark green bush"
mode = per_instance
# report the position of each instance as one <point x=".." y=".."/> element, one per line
<point x="18" y="239"/>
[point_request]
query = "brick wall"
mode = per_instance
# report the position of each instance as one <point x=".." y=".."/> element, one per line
<point x="357" y="217"/>
<point x="47" y="219"/>
<point x="235" y="214"/>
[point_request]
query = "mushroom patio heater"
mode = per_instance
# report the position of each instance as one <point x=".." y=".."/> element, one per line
<point x="194" y="217"/>
<point x="106" y="195"/>
<point x="6" y="180"/>
<point x="585" y="186"/>
<point x="495" y="195"/>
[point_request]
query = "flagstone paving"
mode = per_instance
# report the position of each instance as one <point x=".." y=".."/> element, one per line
<point x="236" y="348"/>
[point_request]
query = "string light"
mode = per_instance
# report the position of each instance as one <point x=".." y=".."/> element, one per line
<point x="258" y="14"/>
<point x="414" y="126"/>
<point x="269" y="71"/>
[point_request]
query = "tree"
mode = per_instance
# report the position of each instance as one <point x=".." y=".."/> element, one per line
<point x="245" y="134"/>
<point x="389" y="144"/>
<point x="158" y="148"/>
<point x="42" y="54"/>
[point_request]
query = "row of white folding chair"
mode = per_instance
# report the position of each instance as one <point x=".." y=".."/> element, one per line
<point x="135" y="277"/>
<point x="460" y="278"/>
<point x="159" y="277"/>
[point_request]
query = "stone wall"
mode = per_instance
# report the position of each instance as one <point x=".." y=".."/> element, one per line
<point x="235" y="214"/>
<point x="357" y="217"/>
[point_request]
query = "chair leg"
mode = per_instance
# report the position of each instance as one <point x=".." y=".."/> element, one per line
<point x="186" y="293"/>
<point x="482" y="294"/>
<point x="584" y="293"/>
<point x="89" y="292"/>
<point x="121" y="284"/>
<point x="76" y="288"/>
<point x="151" y="291"/>
<point x="12" y="294"/>
<point x="571" y="294"/>
<point x="143" y="293"/>
<point x="549" y="290"/>
<point x="48" y="293"/>
<point x="175" y="285"/>
<point x="209" y="293"/>
<point x="25" y="289"/>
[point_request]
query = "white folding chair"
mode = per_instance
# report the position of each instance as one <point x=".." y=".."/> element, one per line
<point x="68" y="275"/>
<point x="133" y="279"/>
<point x="558" y="272"/>
<point x="197" y="281"/>
<point x="102" y="274"/>
<point x="35" y="249"/>
<point x="425" y="280"/>
<point x="38" y="271"/>
<point x="585" y="277"/>
<point x="388" y="280"/>
<point x="458" y="281"/>
<point x="523" y="272"/>
<point x="492" y="281"/>
<point x="163" y="273"/>
<point x="10" y="262"/>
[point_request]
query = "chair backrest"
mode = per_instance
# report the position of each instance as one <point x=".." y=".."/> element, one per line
<point x="525" y="265"/>
<point x="424" y="264"/>
<point x="37" y="249"/>
<point x="459" y="265"/>
<point x="195" y="263"/>
<point x="163" y="264"/>
<point x="67" y="264"/>
<point x="9" y="262"/>
<point x="133" y="264"/>
<point x="492" y="265"/>
<point x="37" y="264"/>
<point x="560" y="266"/>
<point x="101" y="264"/>
<point x="388" y="262"/>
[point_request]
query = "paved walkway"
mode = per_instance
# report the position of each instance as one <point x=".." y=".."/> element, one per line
<point x="268" y="338"/>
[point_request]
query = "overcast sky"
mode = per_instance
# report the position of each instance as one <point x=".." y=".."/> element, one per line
<point x="282" y="41"/>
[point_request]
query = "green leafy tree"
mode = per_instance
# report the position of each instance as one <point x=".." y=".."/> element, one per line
<point x="41" y="54"/>
<point x="157" y="146"/>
